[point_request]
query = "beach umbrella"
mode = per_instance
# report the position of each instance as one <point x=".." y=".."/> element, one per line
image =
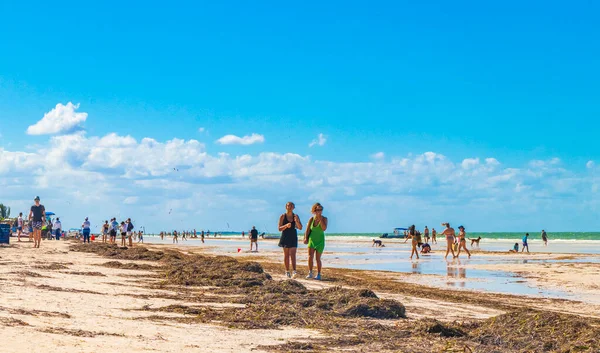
<point x="50" y="213"/>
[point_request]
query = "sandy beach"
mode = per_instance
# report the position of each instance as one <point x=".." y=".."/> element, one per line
<point x="104" y="300"/>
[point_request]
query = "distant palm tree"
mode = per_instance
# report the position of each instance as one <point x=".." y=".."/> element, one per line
<point x="4" y="211"/>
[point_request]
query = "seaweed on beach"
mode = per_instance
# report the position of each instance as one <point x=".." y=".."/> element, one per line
<point x="30" y="274"/>
<point x="51" y="266"/>
<point x="220" y="271"/>
<point x="86" y="273"/>
<point x="129" y="266"/>
<point x="78" y="333"/>
<point x="350" y="319"/>
<point x="125" y="253"/>
<point x="289" y="303"/>
<point x="35" y="312"/>
<point x="539" y="331"/>
<point x="11" y="322"/>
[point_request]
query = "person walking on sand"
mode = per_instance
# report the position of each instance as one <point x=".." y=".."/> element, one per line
<point x="37" y="218"/>
<point x="86" y="230"/>
<point x="433" y="235"/>
<point x="416" y="240"/>
<point x="289" y="223"/>
<point x="525" y="243"/>
<point x="449" y="233"/>
<point x="57" y="228"/>
<point x="175" y="237"/>
<point x="544" y="237"/>
<point x="315" y="238"/>
<point x="123" y="230"/>
<point x="462" y="241"/>
<point x="19" y="226"/>
<point x="254" y="238"/>
<point x="426" y="234"/>
<point x="140" y="237"/>
<point x="202" y="236"/>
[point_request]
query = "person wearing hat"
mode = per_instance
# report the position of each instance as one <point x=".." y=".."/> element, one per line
<point x="86" y="230"/>
<point x="462" y="241"/>
<point x="37" y="218"/>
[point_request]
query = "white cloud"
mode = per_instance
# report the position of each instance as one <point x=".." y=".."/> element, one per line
<point x="320" y="140"/>
<point x="131" y="200"/>
<point x="236" y="140"/>
<point x="141" y="178"/>
<point x="201" y="129"/>
<point x="590" y="164"/>
<point x="378" y="155"/>
<point x="61" y="119"/>
<point x="470" y="163"/>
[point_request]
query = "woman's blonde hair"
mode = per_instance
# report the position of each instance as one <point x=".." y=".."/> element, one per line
<point x="315" y="206"/>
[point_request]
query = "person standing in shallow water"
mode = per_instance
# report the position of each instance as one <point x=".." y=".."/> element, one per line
<point x="462" y="241"/>
<point x="544" y="237"/>
<point x="416" y="239"/>
<point x="450" y="234"/>
<point x="289" y="224"/>
<point x="315" y="238"/>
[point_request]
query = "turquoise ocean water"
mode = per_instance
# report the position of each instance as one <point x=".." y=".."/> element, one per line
<point x="499" y="236"/>
<point x="559" y="236"/>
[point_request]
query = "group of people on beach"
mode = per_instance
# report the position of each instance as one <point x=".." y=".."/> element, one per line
<point x="453" y="241"/>
<point x="111" y="228"/>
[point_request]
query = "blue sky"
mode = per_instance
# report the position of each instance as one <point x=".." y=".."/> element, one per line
<point x="464" y="80"/>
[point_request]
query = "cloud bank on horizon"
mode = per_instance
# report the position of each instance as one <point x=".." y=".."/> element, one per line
<point x="178" y="184"/>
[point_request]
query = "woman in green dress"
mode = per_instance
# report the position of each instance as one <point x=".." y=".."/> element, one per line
<point x="315" y="238"/>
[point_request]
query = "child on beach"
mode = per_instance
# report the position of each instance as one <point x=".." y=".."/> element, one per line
<point x="378" y="243"/>
<point x="315" y="238"/>
<point x="515" y="248"/>
<point x="289" y="223"/>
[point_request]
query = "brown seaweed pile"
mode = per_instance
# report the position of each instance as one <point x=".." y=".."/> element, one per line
<point x="353" y="320"/>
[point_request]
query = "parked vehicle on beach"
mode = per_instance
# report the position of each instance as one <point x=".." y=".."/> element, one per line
<point x="398" y="234"/>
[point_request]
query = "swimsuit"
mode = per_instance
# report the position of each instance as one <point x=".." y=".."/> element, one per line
<point x="316" y="238"/>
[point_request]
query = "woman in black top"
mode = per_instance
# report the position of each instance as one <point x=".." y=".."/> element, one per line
<point x="37" y="217"/>
<point x="289" y="222"/>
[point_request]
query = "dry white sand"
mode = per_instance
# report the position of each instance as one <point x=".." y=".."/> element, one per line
<point x="101" y="307"/>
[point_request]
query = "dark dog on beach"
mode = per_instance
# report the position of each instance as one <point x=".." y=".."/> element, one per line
<point x="475" y="241"/>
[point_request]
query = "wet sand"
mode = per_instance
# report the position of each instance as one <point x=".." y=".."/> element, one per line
<point x="45" y="308"/>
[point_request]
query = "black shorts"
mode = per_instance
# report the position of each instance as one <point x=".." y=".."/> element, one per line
<point x="254" y="239"/>
<point x="123" y="234"/>
<point x="113" y="233"/>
